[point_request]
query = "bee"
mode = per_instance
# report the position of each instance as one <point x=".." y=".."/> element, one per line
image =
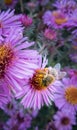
<point x="48" y="79"/>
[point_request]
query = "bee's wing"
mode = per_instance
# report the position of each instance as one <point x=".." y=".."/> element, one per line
<point x="57" y="66"/>
<point x="62" y="75"/>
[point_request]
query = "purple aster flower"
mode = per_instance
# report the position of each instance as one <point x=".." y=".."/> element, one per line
<point x="38" y="89"/>
<point x="10" y="3"/>
<point x="18" y="121"/>
<point x="66" y="6"/>
<point x="16" y="62"/>
<point x="19" y="118"/>
<point x="11" y="107"/>
<point x="8" y="20"/>
<point x="55" y="19"/>
<point x="65" y="95"/>
<point x="63" y="120"/>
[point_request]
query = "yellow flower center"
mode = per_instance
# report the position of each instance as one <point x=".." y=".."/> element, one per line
<point x="8" y="2"/>
<point x="65" y="121"/>
<point x="71" y="95"/>
<point x="59" y="18"/>
<point x="41" y="79"/>
<point x="6" y="56"/>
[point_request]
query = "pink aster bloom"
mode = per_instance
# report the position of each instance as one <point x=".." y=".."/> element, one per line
<point x="16" y="62"/>
<point x="50" y="34"/>
<point x="26" y="20"/>
<point x="63" y="120"/>
<point x="8" y="20"/>
<point x="38" y="89"/>
<point x="65" y="95"/>
<point x="55" y="19"/>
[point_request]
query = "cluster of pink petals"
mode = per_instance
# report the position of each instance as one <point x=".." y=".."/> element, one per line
<point x="26" y="20"/>
<point x="50" y="34"/>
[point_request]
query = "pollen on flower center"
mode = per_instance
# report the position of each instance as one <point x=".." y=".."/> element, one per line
<point x="41" y="79"/>
<point x="6" y="56"/>
<point x="59" y="18"/>
<point x="71" y="95"/>
<point x="65" y="121"/>
<point x="8" y="2"/>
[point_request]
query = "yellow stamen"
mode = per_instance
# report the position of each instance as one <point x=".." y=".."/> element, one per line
<point x="71" y="95"/>
<point x="6" y="56"/>
<point x="59" y="19"/>
<point x="8" y="2"/>
<point x="41" y="79"/>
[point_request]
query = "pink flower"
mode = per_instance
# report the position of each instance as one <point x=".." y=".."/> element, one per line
<point x="26" y="20"/>
<point x="50" y="34"/>
<point x="16" y="63"/>
<point x="38" y="89"/>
